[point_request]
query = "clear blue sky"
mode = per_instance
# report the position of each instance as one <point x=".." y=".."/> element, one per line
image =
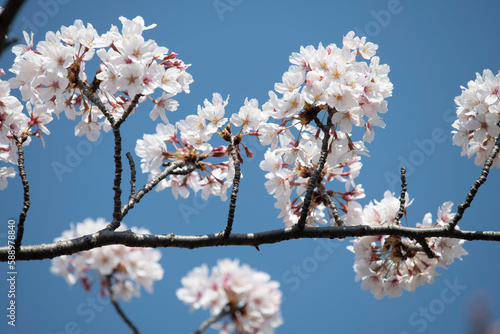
<point x="432" y="49"/>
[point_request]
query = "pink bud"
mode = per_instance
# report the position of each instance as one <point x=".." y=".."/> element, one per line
<point x="248" y="153"/>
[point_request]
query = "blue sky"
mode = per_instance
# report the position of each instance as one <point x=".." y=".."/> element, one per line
<point x="432" y="49"/>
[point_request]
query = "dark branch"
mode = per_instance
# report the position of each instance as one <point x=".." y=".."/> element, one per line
<point x="6" y="18"/>
<point x="132" y="175"/>
<point x="319" y="168"/>
<point x="128" y="238"/>
<point x="425" y="247"/>
<point x="119" y="309"/>
<point x="236" y="185"/>
<point x="26" y="189"/>
<point x="475" y="187"/>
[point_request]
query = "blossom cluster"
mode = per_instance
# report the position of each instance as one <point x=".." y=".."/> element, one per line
<point x="188" y="141"/>
<point x="388" y="264"/>
<point x="324" y="83"/>
<point x="12" y="120"/>
<point x="248" y="297"/>
<point x="126" y="268"/>
<point x="130" y="66"/>
<point x="478" y="115"/>
<point x="47" y="76"/>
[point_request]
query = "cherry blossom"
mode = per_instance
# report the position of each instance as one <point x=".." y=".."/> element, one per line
<point x="327" y="82"/>
<point x="6" y="172"/>
<point x="248" y="297"/>
<point x="478" y="115"/>
<point x="130" y="66"/>
<point x="128" y="268"/>
<point x="329" y="92"/>
<point x="387" y="265"/>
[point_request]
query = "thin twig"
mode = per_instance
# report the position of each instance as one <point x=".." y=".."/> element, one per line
<point x="26" y="189"/>
<point x="130" y="108"/>
<point x="225" y="311"/>
<point x="132" y="174"/>
<point x="236" y="186"/>
<point x="402" y="197"/>
<point x="475" y="187"/>
<point x="118" y="308"/>
<point x="331" y="205"/>
<point x="174" y="166"/>
<point x="319" y="168"/>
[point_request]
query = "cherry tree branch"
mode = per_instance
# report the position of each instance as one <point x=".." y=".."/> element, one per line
<point x="319" y="168"/>
<point x="236" y="186"/>
<point x="8" y="15"/>
<point x="131" y="239"/>
<point x="26" y="190"/>
<point x="475" y="187"/>
<point x="118" y="308"/>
